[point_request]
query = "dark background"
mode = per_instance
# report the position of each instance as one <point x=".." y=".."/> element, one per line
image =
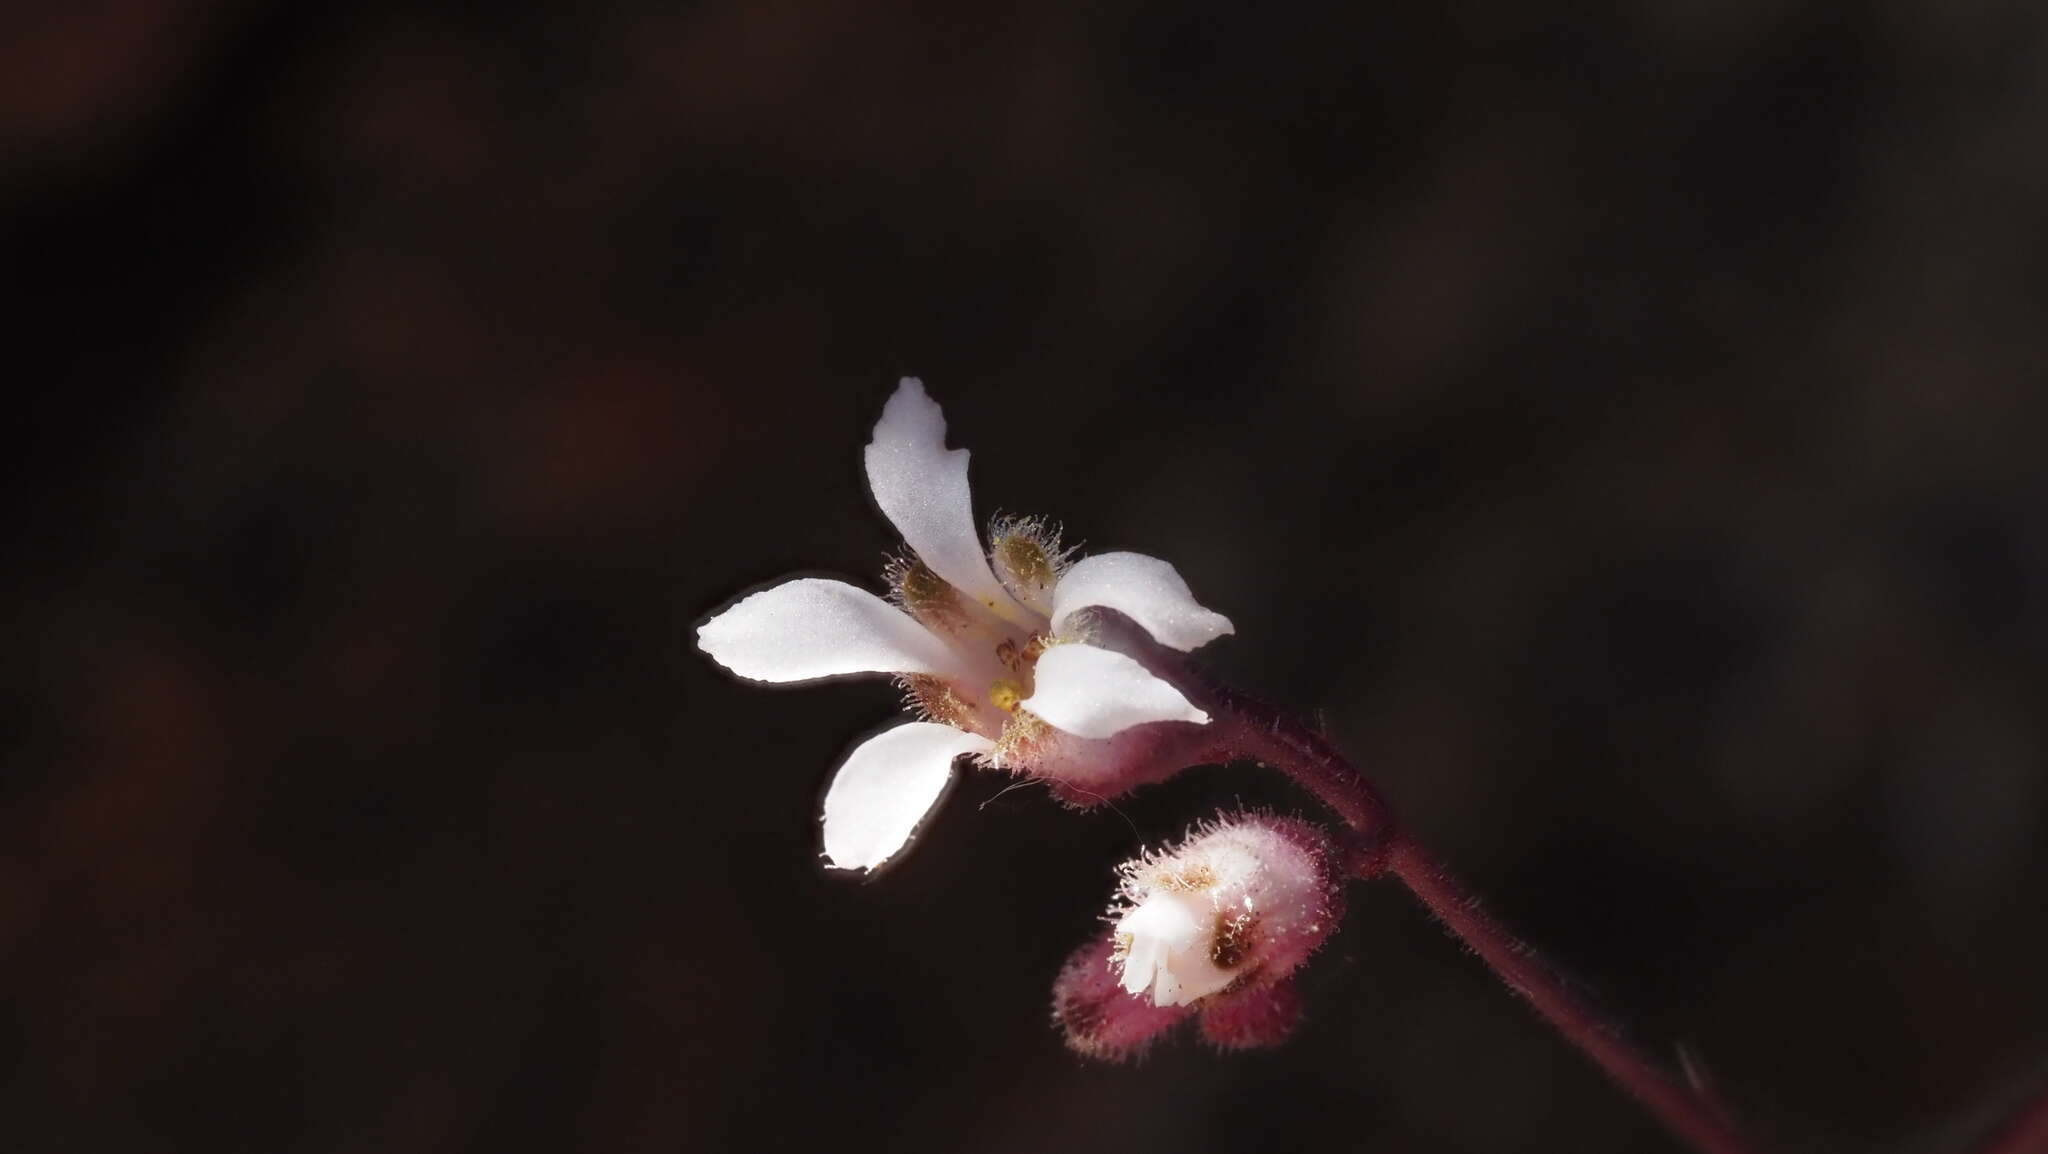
<point x="1623" y="423"/>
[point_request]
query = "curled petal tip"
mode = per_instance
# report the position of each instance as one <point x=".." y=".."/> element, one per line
<point x="1092" y="692"/>
<point x="1149" y="591"/>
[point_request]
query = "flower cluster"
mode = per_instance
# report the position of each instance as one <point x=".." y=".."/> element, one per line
<point x="1002" y="650"/>
<point x="1014" y="653"/>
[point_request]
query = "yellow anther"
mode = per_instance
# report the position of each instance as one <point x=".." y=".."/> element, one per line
<point x="1006" y="694"/>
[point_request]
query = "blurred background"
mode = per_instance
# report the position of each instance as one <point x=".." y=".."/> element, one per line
<point x="1621" y="424"/>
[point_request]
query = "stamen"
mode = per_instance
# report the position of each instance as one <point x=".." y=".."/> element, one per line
<point x="934" y="699"/>
<point x="1025" y="560"/>
<point x="925" y="594"/>
<point x="1026" y="554"/>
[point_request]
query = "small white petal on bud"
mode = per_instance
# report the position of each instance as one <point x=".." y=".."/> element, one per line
<point x="1167" y="944"/>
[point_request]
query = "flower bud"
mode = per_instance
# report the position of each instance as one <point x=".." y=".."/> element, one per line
<point x="1252" y="1019"/>
<point x="1213" y="929"/>
<point x="1236" y="907"/>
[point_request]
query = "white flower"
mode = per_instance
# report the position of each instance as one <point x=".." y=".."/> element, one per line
<point x="991" y="644"/>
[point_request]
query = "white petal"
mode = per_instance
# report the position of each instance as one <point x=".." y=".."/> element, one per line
<point x="1156" y="929"/>
<point x="1092" y="692"/>
<point x="886" y="786"/>
<point x="812" y="627"/>
<point x="1171" y="936"/>
<point x="922" y="489"/>
<point x="1145" y="589"/>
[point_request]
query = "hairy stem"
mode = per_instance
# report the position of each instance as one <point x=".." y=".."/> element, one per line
<point x="2025" y="1133"/>
<point x="1684" y="1112"/>
<point x="1253" y="731"/>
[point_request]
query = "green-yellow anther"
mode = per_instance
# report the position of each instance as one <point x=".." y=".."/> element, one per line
<point x="1025" y="560"/>
<point x="922" y="588"/>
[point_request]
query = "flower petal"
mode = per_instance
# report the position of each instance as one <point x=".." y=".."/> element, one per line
<point x="1091" y="692"/>
<point x="1172" y="951"/>
<point x="1145" y="589"/>
<point x="811" y="627"/>
<point x="886" y="786"/>
<point x="922" y="488"/>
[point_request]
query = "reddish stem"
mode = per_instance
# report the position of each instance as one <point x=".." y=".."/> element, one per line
<point x="2027" y="1133"/>
<point x="1253" y="731"/>
<point x="1257" y="732"/>
<point x="1682" y="1111"/>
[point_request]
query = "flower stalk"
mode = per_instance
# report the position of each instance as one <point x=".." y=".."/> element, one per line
<point x="2024" y="1133"/>
<point x="1249" y="730"/>
<point x="1687" y="1114"/>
